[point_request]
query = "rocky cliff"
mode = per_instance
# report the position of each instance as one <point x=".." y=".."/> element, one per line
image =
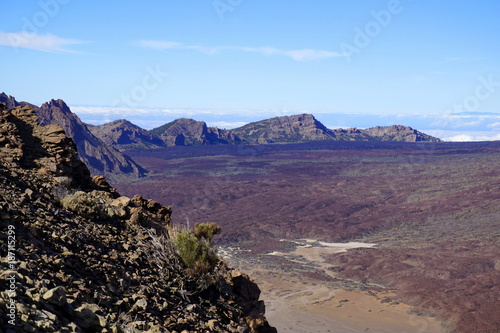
<point x="100" y="158"/>
<point x="78" y="257"/>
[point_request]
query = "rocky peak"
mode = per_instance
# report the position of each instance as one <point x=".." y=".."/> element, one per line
<point x="399" y="133"/>
<point x="296" y="128"/>
<point x="9" y="101"/>
<point x="98" y="156"/>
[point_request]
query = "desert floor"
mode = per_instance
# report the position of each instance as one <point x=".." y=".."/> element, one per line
<point x="296" y="303"/>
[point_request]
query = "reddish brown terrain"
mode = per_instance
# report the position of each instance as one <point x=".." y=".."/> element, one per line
<point x="433" y="209"/>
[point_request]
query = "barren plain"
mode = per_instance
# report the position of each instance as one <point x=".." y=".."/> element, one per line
<point x="432" y="209"/>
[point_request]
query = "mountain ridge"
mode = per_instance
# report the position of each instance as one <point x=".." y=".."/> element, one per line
<point x="285" y="129"/>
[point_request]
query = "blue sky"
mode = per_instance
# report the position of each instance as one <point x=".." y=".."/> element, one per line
<point x="432" y="65"/>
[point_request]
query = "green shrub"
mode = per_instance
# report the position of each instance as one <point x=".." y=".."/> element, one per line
<point x="195" y="252"/>
<point x="206" y="231"/>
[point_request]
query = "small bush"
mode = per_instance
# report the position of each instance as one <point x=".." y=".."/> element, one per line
<point x="82" y="204"/>
<point x="196" y="253"/>
<point x="93" y="205"/>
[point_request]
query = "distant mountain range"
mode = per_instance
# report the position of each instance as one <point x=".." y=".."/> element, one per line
<point x="124" y="135"/>
<point x="101" y="147"/>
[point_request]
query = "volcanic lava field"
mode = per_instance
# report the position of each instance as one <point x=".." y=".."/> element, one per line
<point x="433" y="209"/>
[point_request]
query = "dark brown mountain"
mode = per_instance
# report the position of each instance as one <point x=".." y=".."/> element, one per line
<point x="100" y="158"/>
<point x="185" y="132"/>
<point x="124" y="135"/>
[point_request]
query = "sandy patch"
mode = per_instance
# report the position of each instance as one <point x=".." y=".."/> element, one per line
<point x="298" y="304"/>
<point x="305" y="306"/>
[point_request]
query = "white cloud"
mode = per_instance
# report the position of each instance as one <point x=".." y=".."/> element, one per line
<point x="45" y="43"/>
<point x="158" y="44"/>
<point x="472" y="137"/>
<point x="494" y="125"/>
<point x="227" y="124"/>
<point x="167" y="45"/>
<point x="464" y="136"/>
<point x="297" y="55"/>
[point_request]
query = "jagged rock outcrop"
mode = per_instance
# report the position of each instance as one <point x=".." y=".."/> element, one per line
<point x="124" y="135"/>
<point x="9" y="101"/>
<point x="43" y="149"/>
<point x="82" y="258"/>
<point x="184" y="131"/>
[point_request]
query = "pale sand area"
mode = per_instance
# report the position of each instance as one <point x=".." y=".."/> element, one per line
<point x="298" y="304"/>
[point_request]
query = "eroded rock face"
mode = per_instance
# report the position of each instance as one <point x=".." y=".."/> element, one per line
<point x="44" y="149"/>
<point x="99" y="157"/>
<point x="87" y="259"/>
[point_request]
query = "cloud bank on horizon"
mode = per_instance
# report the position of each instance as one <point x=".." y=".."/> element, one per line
<point x="448" y="127"/>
